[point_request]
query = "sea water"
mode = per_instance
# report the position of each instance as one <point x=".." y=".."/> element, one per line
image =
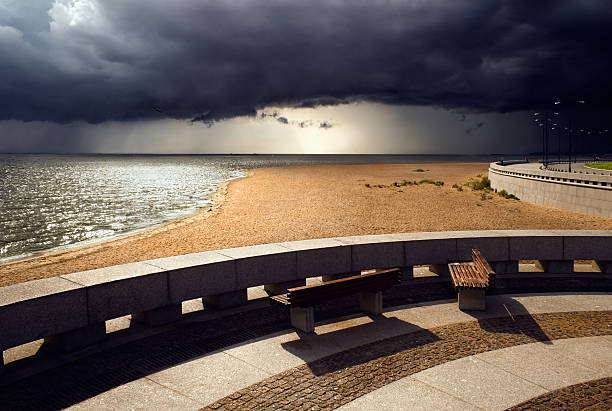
<point x="50" y="202"/>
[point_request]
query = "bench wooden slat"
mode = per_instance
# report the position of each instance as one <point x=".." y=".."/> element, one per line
<point x="280" y="298"/>
<point x="476" y="274"/>
<point x="483" y="265"/>
<point x="466" y="275"/>
<point x="316" y="293"/>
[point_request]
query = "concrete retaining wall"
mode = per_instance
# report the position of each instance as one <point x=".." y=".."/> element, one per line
<point x="71" y="309"/>
<point x="586" y="193"/>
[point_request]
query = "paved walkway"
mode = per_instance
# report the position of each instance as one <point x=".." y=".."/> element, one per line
<point x="576" y="168"/>
<point x="424" y="355"/>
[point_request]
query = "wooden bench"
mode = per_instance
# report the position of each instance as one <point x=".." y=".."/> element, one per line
<point x="302" y="300"/>
<point x="471" y="279"/>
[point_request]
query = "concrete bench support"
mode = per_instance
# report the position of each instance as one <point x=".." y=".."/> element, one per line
<point x="303" y="318"/>
<point x="556" y="266"/>
<point x="603" y="266"/>
<point x="281" y="288"/>
<point x="371" y="303"/>
<point x="159" y="316"/>
<point x="505" y="267"/>
<point x="332" y="277"/>
<point x="472" y="299"/>
<point x="227" y="300"/>
<point x="79" y="338"/>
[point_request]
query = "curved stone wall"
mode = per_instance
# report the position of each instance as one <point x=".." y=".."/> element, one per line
<point x="589" y="193"/>
<point x="71" y="309"/>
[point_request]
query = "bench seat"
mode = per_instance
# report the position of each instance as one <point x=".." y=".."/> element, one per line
<point x="471" y="279"/>
<point x="301" y="300"/>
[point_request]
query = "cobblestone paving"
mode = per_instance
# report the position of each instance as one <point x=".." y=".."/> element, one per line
<point x="340" y="378"/>
<point x="591" y="395"/>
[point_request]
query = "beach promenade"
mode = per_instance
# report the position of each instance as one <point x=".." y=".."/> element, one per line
<point x="551" y="350"/>
<point x="586" y="190"/>
<point x="137" y="324"/>
<point x="298" y="203"/>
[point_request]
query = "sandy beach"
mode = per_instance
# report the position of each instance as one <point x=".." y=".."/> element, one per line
<point x="296" y="203"/>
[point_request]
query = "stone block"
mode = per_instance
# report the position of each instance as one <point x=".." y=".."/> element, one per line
<point x="80" y="338"/>
<point x="281" y="288"/>
<point x="123" y="289"/>
<point x="320" y="257"/>
<point x="371" y="302"/>
<point x="161" y="315"/>
<point x="375" y="251"/>
<point x="472" y="299"/>
<point x="535" y="246"/>
<point x="428" y="252"/>
<point x="195" y="275"/>
<point x="492" y="246"/>
<point x="262" y="264"/>
<point x="41" y="308"/>
<point x="303" y="318"/>
<point x="226" y="300"/>
<point x="505" y="267"/>
<point x="589" y="247"/>
<point x="556" y="267"/>
<point x="603" y="266"/>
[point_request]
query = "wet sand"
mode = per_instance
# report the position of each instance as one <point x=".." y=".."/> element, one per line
<point x="296" y="203"/>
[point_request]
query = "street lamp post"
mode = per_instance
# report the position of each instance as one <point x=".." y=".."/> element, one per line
<point x="571" y="104"/>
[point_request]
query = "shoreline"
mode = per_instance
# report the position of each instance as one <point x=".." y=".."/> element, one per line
<point x="216" y="197"/>
<point x="279" y="204"/>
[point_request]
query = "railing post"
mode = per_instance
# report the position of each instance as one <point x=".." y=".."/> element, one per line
<point x="505" y="267"/>
<point x="161" y="315"/>
<point x="81" y="337"/>
<point x="603" y="266"/>
<point x="406" y="273"/>
<point x="556" y="266"/>
<point x="440" y="269"/>
<point x="227" y="300"/>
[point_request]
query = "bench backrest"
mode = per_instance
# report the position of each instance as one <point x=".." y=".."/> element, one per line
<point x="312" y="294"/>
<point x="483" y="266"/>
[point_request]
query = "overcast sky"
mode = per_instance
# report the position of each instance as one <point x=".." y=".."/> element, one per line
<point x="362" y="76"/>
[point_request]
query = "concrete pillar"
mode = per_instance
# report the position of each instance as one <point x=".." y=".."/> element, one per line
<point x="556" y="266"/>
<point x="406" y="273"/>
<point x="79" y="338"/>
<point x="505" y="267"/>
<point x="371" y="303"/>
<point x="281" y="288"/>
<point x="226" y="300"/>
<point x="158" y="316"/>
<point x="331" y="277"/>
<point x="440" y="269"/>
<point x="603" y="266"/>
<point x="472" y="299"/>
<point x="302" y="318"/>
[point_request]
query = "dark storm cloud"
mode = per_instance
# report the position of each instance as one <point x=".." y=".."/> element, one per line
<point x="207" y="61"/>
